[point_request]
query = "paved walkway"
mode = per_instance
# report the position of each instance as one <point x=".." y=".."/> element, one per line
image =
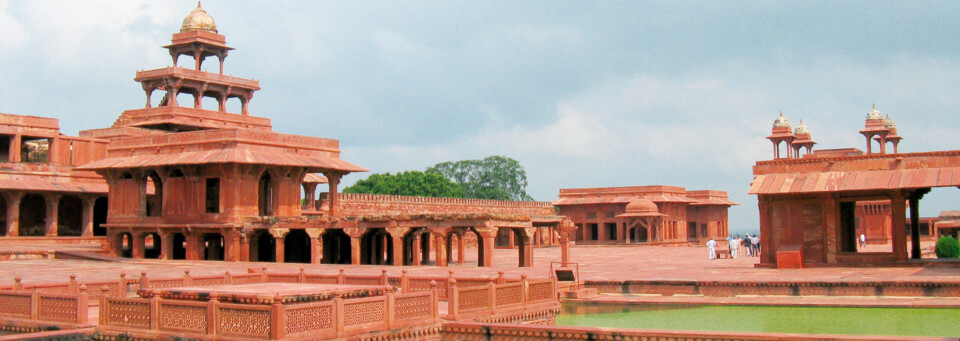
<point x="614" y="263"/>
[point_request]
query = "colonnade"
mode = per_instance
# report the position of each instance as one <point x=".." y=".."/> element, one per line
<point x="389" y="245"/>
<point x="15" y="213"/>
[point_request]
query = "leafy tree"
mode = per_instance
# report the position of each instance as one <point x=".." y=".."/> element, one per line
<point x="494" y="177"/>
<point x="413" y="183"/>
<point x="947" y="247"/>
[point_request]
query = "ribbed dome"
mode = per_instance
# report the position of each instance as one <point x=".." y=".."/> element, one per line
<point x="889" y="123"/>
<point x="641" y="205"/>
<point x="874" y="114"/>
<point x="801" y="129"/>
<point x="198" y="20"/>
<point x="781" y="122"/>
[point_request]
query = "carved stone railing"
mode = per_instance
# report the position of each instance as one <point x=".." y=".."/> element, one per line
<point x="337" y="317"/>
<point x="52" y="308"/>
<point x="497" y="301"/>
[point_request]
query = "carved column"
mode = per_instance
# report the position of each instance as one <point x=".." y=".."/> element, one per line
<point x="355" y="234"/>
<point x="898" y="210"/>
<point x="310" y="191"/>
<point x="440" y="235"/>
<point x="526" y="246"/>
<point x="278" y="235"/>
<point x="417" y="250"/>
<point x="193" y="245"/>
<point x="244" y="237"/>
<point x="15" y="148"/>
<point x="488" y="235"/>
<point x="333" y="180"/>
<point x="396" y="234"/>
<point x="53" y="210"/>
<point x="138" y="243"/>
<point x="13" y="212"/>
<point x="316" y="244"/>
<point x="460" y="251"/>
<point x="166" y="245"/>
<point x="231" y="244"/>
<point x="566" y="228"/>
<point x="87" y="225"/>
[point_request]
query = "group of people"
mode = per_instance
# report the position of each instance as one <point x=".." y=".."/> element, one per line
<point x="737" y="245"/>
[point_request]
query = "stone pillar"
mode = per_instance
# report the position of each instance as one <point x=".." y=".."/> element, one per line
<point x="396" y="236"/>
<point x="355" y="235"/>
<point x="426" y="248"/>
<point x="316" y="244"/>
<point x="193" y="245"/>
<point x="231" y="244"/>
<point x="138" y="243"/>
<point x="488" y="236"/>
<point x="87" y="225"/>
<point x="460" y="245"/>
<point x="333" y="179"/>
<point x="417" y="250"/>
<point x="53" y="210"/>
<point x="142" y="195"/>
<point x="13" y="212"/>
<point x="565" y="228"/>
<point x="53" y="148"/>
<point x="526" y="246"/>
<point x="166" y="245"/>
<point x="244" y="247"/>
<point x="898" y="211"/>
<point x="310" y="191"/>
<point x="16" y="144"/>
<point x="915" y="223"/>
<point x="440" y="242"/>
<point x="278" y="235"/>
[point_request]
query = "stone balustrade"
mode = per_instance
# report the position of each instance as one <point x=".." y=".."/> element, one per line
<point x="70" y="309"/>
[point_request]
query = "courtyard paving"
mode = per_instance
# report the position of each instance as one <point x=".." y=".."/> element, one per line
<point x="611" y="263"/>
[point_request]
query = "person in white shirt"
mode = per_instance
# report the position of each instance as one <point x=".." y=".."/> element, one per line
<point x="734" y="247"/>
<point x="712" y="245"/>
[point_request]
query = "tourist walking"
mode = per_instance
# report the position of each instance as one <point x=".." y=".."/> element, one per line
<point x="863" y="240"/>
<point x="734" y="246"/>
<point x="730" y="246"/>
<point x="712" y="245"/>
<point x="755" y="243"/>
<point x="748" y="245"/>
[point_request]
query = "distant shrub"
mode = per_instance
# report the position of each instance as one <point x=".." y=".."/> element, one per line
<point x="947" y="247"/>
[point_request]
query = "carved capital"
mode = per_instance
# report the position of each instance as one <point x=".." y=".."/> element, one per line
<point x="315" y="232"/>
<point x="355" y="232"/>
<point x="279" y="233"/>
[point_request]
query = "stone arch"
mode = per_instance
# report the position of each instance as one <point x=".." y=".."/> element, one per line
<point x="296" y="247"/>
<point x="376" y="247"/>
<point x="33" y="215"/>
<point x="265" y="194"/>
<point x="152" y="245"/>
<point x="100" y="216"/>
<point x="123" y="243"/>
<point x="70" y="216"/>
<point x="178" y="247"/>
<point x="155" y="200"/>
<point x="336" y="247"/>
<point x="263" y="247"/>
<point x="212" y="244"/>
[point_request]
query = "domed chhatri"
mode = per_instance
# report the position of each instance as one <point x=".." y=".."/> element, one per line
<point x="640" y="205"/>
<point x="781" y="122"/>
<point x="874" y="114"/>
<point x="198" y="20"/>
<point x="801" y="129"/>
<point x="889" y="123"/>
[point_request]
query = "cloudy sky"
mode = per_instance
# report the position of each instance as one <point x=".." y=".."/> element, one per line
<point x="583" y="94"/>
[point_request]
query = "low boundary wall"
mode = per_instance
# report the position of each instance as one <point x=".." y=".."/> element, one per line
<point x="730" y="289"/>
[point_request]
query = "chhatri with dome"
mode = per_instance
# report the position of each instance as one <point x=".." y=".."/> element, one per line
<point x="814" y="208"/>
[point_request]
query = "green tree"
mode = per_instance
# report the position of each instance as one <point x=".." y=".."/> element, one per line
<point x="494" y="177"/>
<point x="413" y="183"/>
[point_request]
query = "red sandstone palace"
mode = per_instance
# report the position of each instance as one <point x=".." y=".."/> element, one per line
<point x="814" y="208"/>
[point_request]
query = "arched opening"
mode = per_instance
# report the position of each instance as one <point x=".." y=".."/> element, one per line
<point x="152" y="246"/>
<point x="100" y="216"/>
<point x="155" y="200"/>
<point x="425" y="247"/>
<point x="265" y="195"/>
<point x="185" y="98"/>
<point x="296" y="247"/>
<point x="124" y="244"/>
<point x="70" y="216"/>
<point x="210" y="102"/>
<point x="234" y="105"/>
<point x="179" y="246"/>
<point x="33" y="215"/>
<point x="263" y="247"/>
<point x="376" y="247"/>
<point x="336" y="247"/>
<point x="212" y="246"/>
